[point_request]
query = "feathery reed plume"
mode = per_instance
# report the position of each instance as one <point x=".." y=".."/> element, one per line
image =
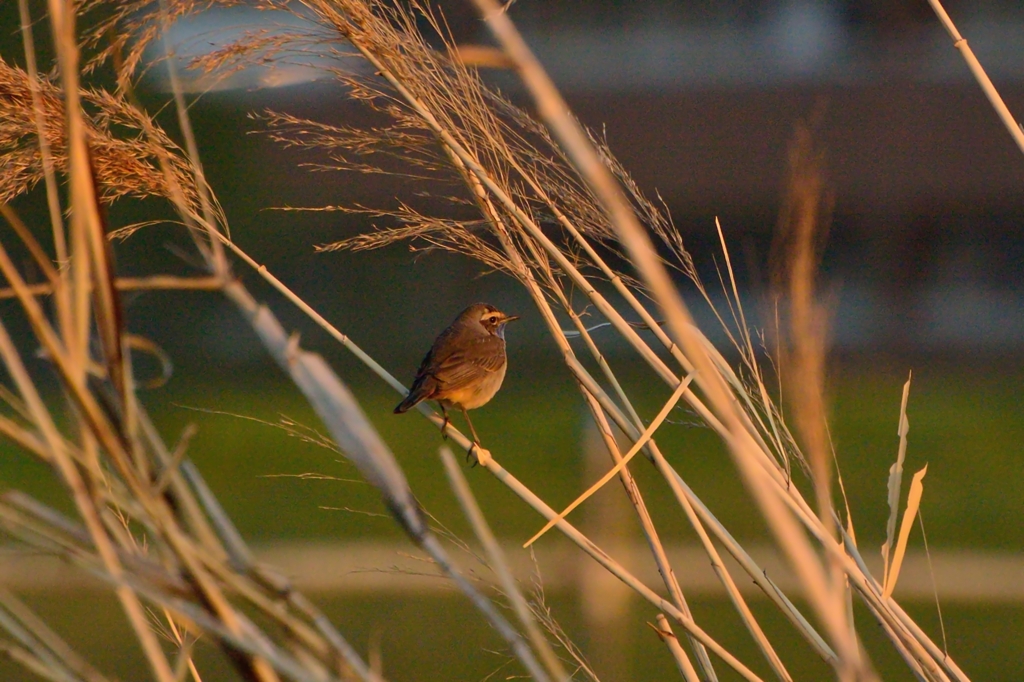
<point x="125" y="164"/>
<point x="795" y="258"/>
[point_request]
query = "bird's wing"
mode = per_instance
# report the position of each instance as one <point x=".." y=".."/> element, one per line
<point x="469" y="362"/>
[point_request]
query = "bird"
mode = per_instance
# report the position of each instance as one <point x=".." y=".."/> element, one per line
<point x="465" y="367"/>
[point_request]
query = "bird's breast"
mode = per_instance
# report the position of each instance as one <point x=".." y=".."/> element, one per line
<point x="480" y="392"/>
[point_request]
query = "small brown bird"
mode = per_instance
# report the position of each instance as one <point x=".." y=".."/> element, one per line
<point x="465" y="366"/>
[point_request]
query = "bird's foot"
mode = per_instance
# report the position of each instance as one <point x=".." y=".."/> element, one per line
<point x="478" y="455"/>
<point x="444" y="428"/>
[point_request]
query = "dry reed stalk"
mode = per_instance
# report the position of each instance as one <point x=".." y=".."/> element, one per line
<point x="329" y="400"/>
<point x="632" y="491"/>
<point x="665" y="634"/>
<point x="118" y="455"/>
<point x="658" y="552"/>
<point x="978" y="71"/>
<point x="517" y="487"/>
<point x="450" y="127"/>
<point x="359" y="28"/>
<point x="801" y="557"/>
<point x="496" y="560"/>
<point x="635" y="497"/>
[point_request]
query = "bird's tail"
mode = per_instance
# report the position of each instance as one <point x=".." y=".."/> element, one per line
<point x="420" y="391"/>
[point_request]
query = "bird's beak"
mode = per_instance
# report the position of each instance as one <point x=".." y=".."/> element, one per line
<point x="509" y="318"/>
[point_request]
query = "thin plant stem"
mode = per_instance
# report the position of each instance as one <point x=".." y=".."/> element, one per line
<point x="554" y="111"/>
<point x="740" y="604"/>
<point x="666" y="635"/>
<point x="25" y="439"/>
<point x="150" y="283"/>
<point x="621" y="464"/>
<point x="921" y="645"/>
<point x="46" y="157"/>
<point x="496" y="559"/>
<point x="747" y="351"/>
<point x="84" y="503"/>
<point x="686" y="500"/>
<point x="631" y="488"/>
<point x="185" y="124"/>
<point x="683" y="492"/>
<point x="661" y="557"/>
<point x="617" y="569"/>
<point x="755" y="572"/>
<point x="960" y="43"/>
<point x="935" y="588"/>
<point x="657" y="549"/>
<point x="33" y="246"/>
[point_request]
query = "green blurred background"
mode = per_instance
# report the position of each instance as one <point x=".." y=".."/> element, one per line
<point x="923" y="268"/>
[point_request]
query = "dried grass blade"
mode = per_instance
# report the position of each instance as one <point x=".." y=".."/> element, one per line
<point x="629" y="483"/>
<point x="185" y="124"/>
<point x="640" y="443"/>
<point x="913" y="504"/>
<point x="688" y="499"/>
<point x="895" y="478"/>
<point x="25" y="439"/>
<point x="616" y="569"/>
<point x="85" y="216"/>
<point x="498" y="563"/>
<point x="750" y="360"/>
<point x="46" y="636"/>
<point x="38" y="254"/>
<point x="107" y="304"/>
<point x="84" y="502"/>
<point x="338" y="409"/>
<point x="738" y="602"/>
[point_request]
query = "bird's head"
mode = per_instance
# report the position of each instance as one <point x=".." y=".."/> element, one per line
<point x="487" y="316"/>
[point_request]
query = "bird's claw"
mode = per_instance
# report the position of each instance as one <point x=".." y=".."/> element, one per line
<point x="478" y="455"/>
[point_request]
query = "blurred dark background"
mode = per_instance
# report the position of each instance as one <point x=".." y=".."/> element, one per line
<point x="699" y="100"/>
